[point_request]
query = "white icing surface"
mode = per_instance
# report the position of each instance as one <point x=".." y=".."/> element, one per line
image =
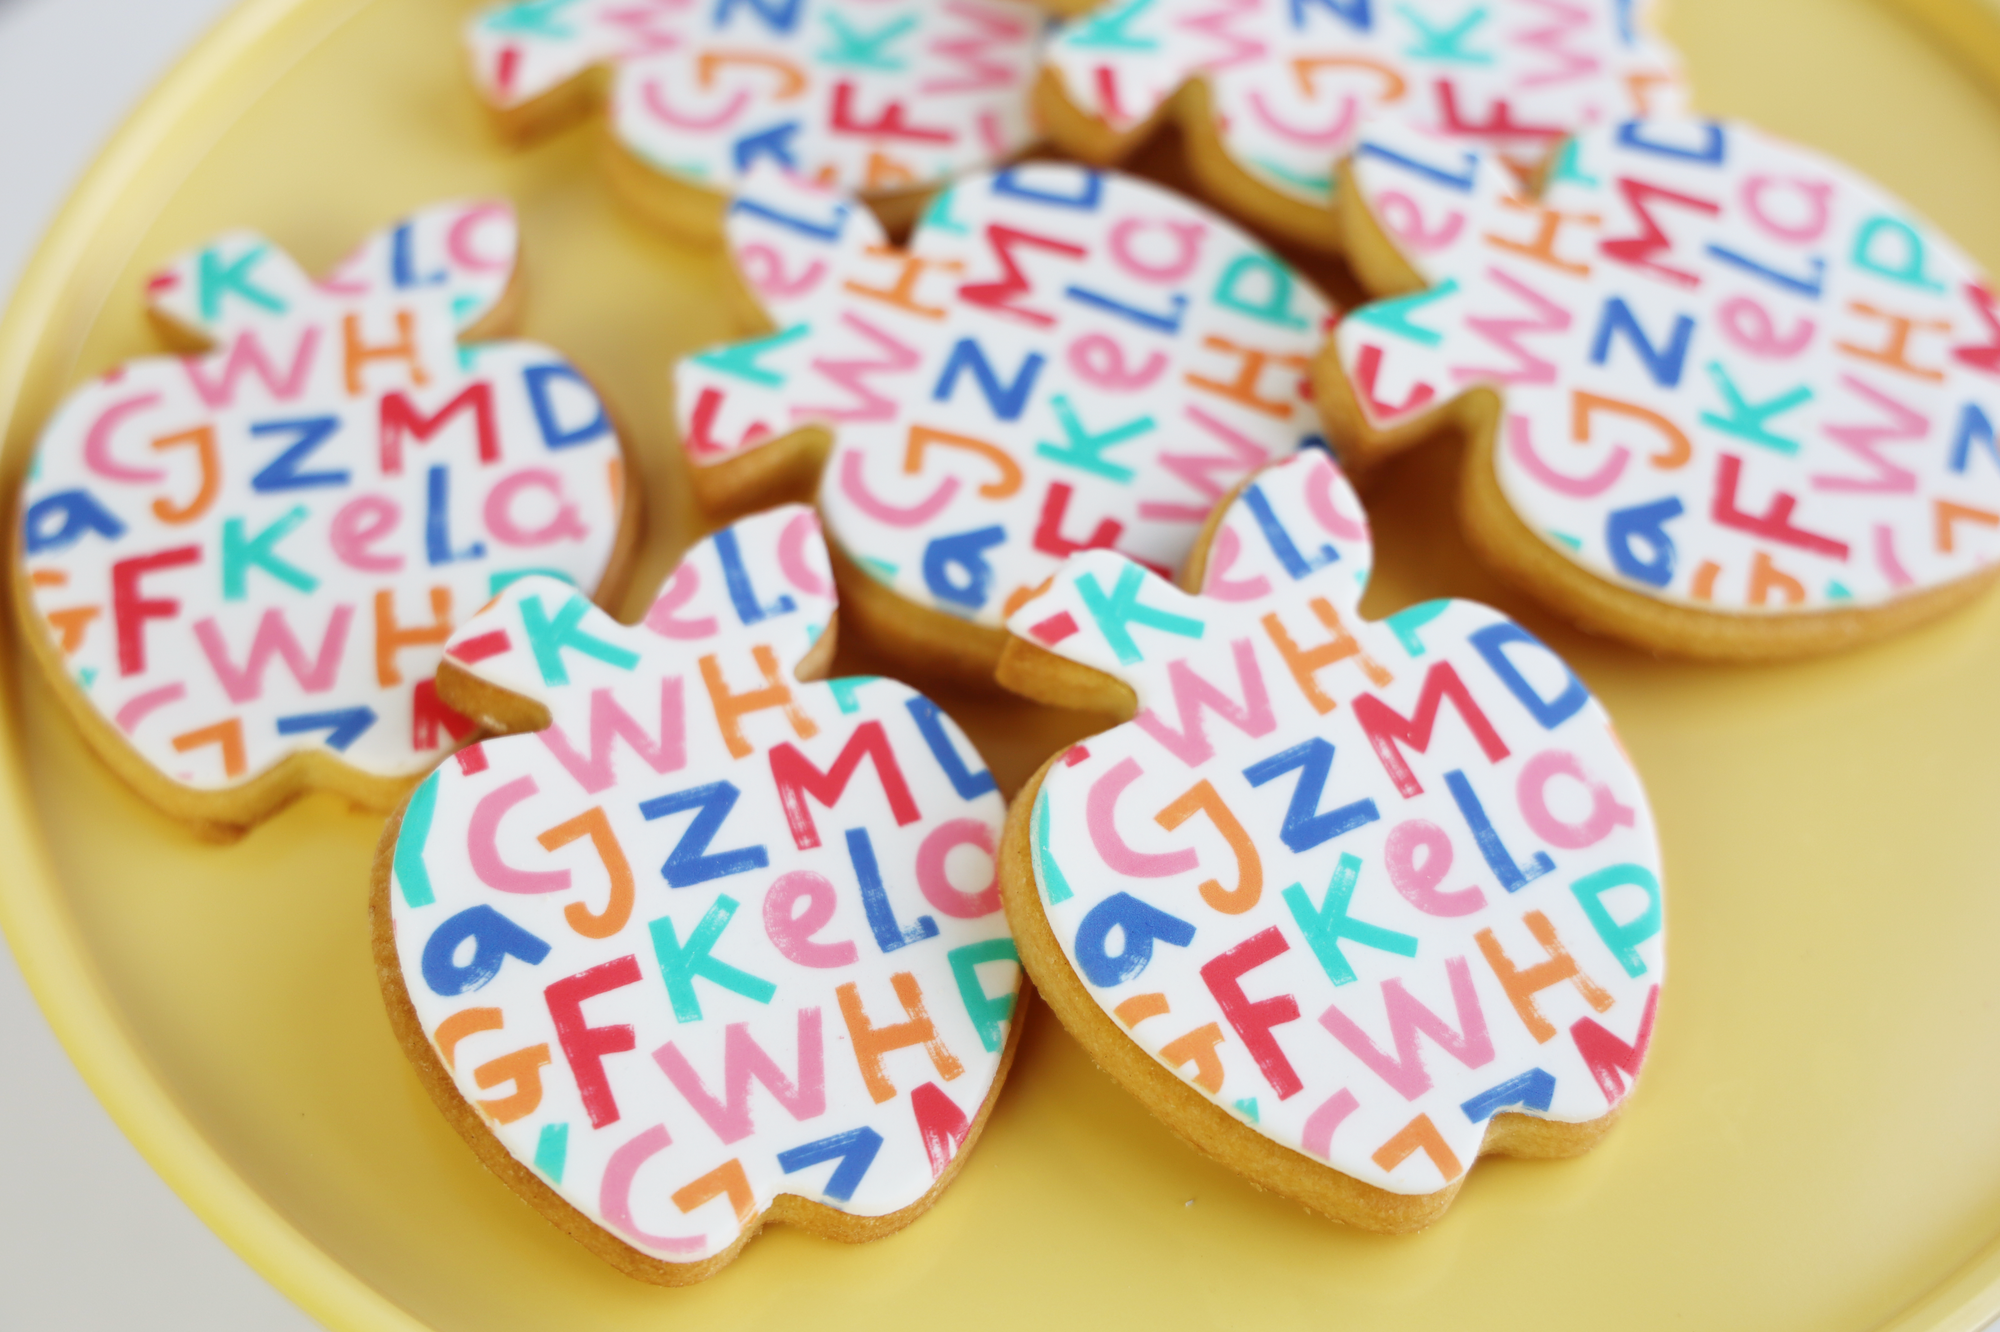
<point x="1293" y="81"/>
<point x="869" y="96"/>
<point x="1855" y="464"/>
<point x="304" y="500"/>
<point x="1061" y="359"/>
<point x="1379" y="1048"/>
<point x="694" y="1134"/>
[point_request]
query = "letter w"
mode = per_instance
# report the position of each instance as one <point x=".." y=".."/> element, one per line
<point x="1190" y="744"/>
<point x="1905" y="427"/>
<point x="865" y="403"/>
<point x="743" y="1060"/>
<point x="1217" y="25"/>
<point x="608" y="722"/>
<point x="1567" y="23"/>
<point x="247" y="353"/>
<point x="1206" y="473"/>
<point x="1505" y="334"/>
<point x="275" y="637"/>
<point x="797" y="777"/>
<point x="971" y="52"/>
<point x="1385" y="726"/>
<point x="1471" y="1045"/>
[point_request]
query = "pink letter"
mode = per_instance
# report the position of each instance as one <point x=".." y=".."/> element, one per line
<point x="1418" y="882"/>
<point x="742" y="1060"/>
<point x="359" y="524"/>
<point x="482" y="844"/>
<point x="500" y="510"/>
<point x="1532" y="791"/>
<point x="936" y="884"/>
<point x="614" y="1195"/>
<point x="1100" y="810"/>
<point x="1405" y="1071"/>
<point x="792" y="934"/>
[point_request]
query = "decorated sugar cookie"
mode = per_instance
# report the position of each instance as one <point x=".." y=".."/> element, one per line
<point x="713" y="945"/>
<point x="1060" y="360"/>
<point x="1271" y="93"/>
<point x="242" y="565"/>
<point x="1724" y="396"/>
<point x="1346" y="904"/>
<point x="888" y="101"/>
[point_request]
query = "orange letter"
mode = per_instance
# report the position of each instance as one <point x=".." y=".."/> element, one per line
<point x="1582" y="405"/>
<point x="1198" y="1047"/>
<point x="203" y="439"/>
<point x="391" y="637"/>
<point x="592" y="824"/>
<point x="360" y="353"/>
<point x="1244" y="388"/>
<point x="872" y="1042"/>
<point x="1419" y="1135"/>
<point x="524" y="1069"/>
<point x="1307" y="664"/>
<point x="1202" y="798"/>
<point x="730" y="708"/>
<point x="1523" y="984"/>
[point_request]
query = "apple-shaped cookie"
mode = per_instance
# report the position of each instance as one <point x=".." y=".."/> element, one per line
<point x="712" y="944"/>
<point x="1346" y="904"/>
<point x="888" y="101"/>
<point x="1723" y="396"/>
<point x="1271" y="93"/>
<point x="1060" y="359"/>
<point x="241" y="566"/>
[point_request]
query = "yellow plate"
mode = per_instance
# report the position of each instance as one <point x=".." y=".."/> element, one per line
<point x="1816" y="1143"/>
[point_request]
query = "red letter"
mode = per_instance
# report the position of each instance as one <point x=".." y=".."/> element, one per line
<point x="131" y="610"/>
<point x="585" y="1046"/>
<point x="400" y="416"/>
<point x="1385" y="726"/>
<point x="796" y="776"/>
<point x="1253" y="1020"/>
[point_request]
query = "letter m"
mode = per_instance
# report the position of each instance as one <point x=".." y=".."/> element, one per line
<point x="1190" y="744"/>
<point x="1385" y="727"/>
<point x="1001" y="295"/>
<point x="742" y="1061"/>
<point x="1645" y="249"/>
<point x="400" y="417"/>
<point x="1611" y="1061"/>
<point x="666" y="752"/>
<point x="797" y="778"/>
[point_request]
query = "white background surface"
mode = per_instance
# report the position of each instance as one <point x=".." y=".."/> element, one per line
<point x="90" y="1238"/>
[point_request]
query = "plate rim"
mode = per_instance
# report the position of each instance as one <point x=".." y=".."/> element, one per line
<point x="215" y="76"/>
<point x="270" y="36"/>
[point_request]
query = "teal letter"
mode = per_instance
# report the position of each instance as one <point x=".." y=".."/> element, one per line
<point x="1122" y="607"/>
<point x="1325" y="926"/>
<point x="549" y="638"/>
<point x="1276" y="307"/>
<point x="1622" y="940"/>
<point x="240" y="554"/>
<point x="989" y="1015"/>
<point x="214" y="280"/>
<point x="680" y="966"/>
